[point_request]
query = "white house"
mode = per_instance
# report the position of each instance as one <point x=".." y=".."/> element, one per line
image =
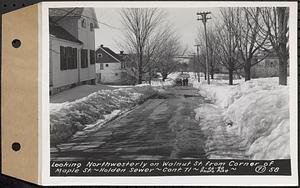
<point x="110" y="67"/>
<point x="72" y="47"/>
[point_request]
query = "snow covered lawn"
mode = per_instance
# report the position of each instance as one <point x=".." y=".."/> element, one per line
<point x="255" y="113"/>
<point x="69" y="117"/>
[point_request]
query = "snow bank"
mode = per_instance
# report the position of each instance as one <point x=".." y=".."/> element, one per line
<point x="77" y="93"/>
<point x="69" y="117"/>
<point x="257" y="111"/>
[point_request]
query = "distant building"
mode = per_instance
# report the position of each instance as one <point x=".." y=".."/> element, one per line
<point x="72" y="47"/>
<point x="112" y="68"/>
<point x="109" y="66"/>
<point x="268" y="67"/>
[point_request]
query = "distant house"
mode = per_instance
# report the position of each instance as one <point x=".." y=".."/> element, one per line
<point x="72" y="47"/>
<point x="268" y="67"/>
<point x="111" y="67"/>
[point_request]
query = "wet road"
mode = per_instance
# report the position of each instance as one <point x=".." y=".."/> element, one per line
<point x="163" y="127"/>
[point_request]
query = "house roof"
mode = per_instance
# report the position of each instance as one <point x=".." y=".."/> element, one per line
<point x="61" y="33"/>
<point x="73" y="12"/>
<point x="111" y="56"/>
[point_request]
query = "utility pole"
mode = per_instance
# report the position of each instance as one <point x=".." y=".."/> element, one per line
<point x="204" y="19"/>
<point x="198" y="60"/>
<point x="194" y="63"/>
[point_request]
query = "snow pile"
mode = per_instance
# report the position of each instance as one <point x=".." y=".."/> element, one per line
<point x="69" y="117"/>
<point x="257" y="111"/>
<point x="77" y="93"/>
<point x="261" y="117"/>
<point x="219" y="92"/>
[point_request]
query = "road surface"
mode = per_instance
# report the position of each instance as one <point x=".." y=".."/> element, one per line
<point x="164" y="127"/>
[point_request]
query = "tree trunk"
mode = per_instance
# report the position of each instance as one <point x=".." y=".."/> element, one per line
<point x="205" y="75"/>
<point x="282" y="71"/>
<point x="212" y="73"/>
<point x="150" y="76"/>
<point x="198" y="75"/>
<point x="282" y="41"/>
<point x="140" y="78"/>
<point x="230" y="74"/>
<point x="230" y="71"/>
<point x="247" y="70"/>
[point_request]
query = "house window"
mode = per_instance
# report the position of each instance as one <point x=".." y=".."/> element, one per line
<point x="83" y="23"/>
<point x="99" y="55"/>
<point x="122" y="65"/>
<point x="84" y="58"/>
<point x="91" y="27"/>
<point x="68" y="58"/>
<point x="266" y="63"/>
<point x="71" y="54"/>
<point x="92" y="57"/>
<point x="101" y="66"/>
<point x="106" y="65"/>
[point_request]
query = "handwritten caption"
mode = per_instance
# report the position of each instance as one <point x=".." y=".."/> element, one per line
<point x="185" y="167"/>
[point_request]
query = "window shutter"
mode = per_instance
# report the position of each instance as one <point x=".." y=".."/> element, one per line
<point x="75" y="58"/>
<point x="92" y="56"/>
<point x="84" y="58"/>
<point x="63" y="62"/>
<point x="91" y="27"/>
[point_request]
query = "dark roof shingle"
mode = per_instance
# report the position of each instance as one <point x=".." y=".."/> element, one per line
<point x="74" y="12"/>
<point x="109" y="56"/>
<point x="61" y="33"/>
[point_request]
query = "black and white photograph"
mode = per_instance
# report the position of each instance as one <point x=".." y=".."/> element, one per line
<point x="171" y="84"/>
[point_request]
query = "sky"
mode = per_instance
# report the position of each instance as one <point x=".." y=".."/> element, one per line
<point x="184" y="21"/>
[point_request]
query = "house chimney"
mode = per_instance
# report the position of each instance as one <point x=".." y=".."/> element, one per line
<point x="121" y="52"/>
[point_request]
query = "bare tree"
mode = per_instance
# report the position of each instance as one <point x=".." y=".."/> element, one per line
<point x="227" y="51"/>
<point x="276" y="27"/>
<point x="140" y="24"/>
<point x="155" y="48"/>
<point x="251" y="41"/>
<point x="170" y="48"/>
<point x="212" y="52"/>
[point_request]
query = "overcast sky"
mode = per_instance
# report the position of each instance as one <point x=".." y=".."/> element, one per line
<point x="184" y="21"/>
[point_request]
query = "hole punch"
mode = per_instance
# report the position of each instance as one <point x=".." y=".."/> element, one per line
<point x="16" y="146"/>
<point x="14" y="5"/>
<point x="4" y="5"/>
<point x="16" y="43"/>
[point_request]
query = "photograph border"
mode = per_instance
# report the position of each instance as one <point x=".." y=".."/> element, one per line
<point x="44" y="127"/>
